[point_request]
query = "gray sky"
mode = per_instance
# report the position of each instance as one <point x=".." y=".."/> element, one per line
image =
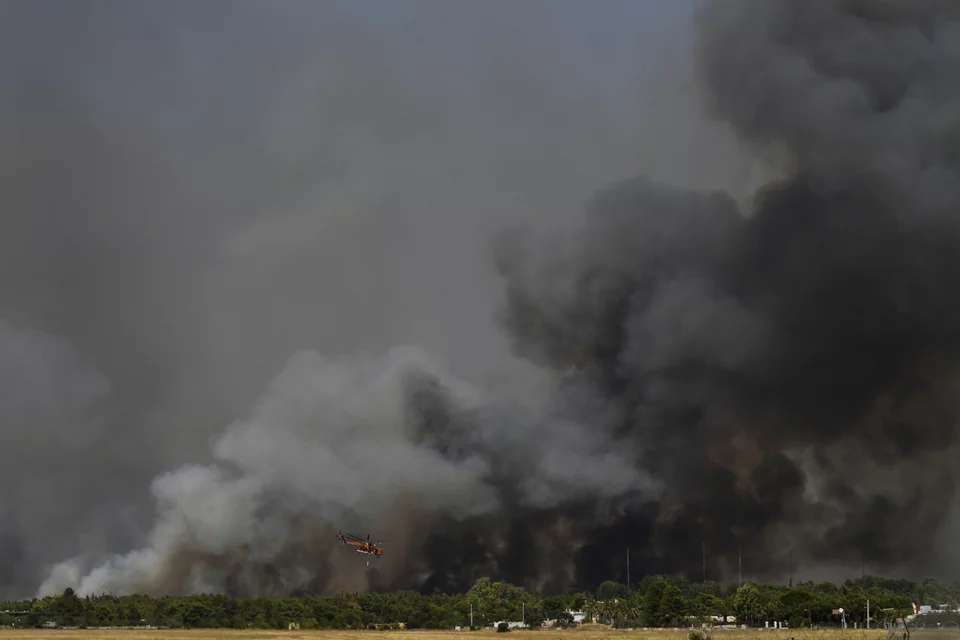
<point x="192" y="192"/>
<point x="262" y="233"/>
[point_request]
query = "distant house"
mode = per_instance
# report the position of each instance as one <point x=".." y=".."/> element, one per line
<point x="714" y="620"/>
<point x="577" y="617"/>
<point x="510" y="625"/>
<point x="724" y="619"/>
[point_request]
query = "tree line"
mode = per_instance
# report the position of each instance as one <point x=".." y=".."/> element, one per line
<point x="657" y="601"/>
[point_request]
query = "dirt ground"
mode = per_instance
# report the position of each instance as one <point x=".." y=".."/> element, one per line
<point x="595" y="633"/>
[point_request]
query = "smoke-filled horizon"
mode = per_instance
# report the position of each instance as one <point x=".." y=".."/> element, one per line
<point x="273" y="274"/>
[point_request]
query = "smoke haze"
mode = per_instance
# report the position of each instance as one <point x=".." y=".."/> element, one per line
<point x="249" y="300"/>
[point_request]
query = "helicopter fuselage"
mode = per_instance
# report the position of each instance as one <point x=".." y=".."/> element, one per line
<point x="361" y="546"/>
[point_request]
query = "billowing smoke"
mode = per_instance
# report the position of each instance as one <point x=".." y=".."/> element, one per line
<point x="390" y="442"/>
<point x="193" y="194"/>
<point x="790" y="374"/>
<point x="780" y="380"/>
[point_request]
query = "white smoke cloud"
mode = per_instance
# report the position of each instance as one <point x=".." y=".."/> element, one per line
<point x="333" y="441"/>
<point x="327" y="178"/>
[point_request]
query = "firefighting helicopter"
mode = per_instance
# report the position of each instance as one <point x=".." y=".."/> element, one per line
<point x="362" y="546"/>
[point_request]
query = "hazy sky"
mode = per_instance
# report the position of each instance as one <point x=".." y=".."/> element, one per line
<point x="194" y="191"/>
<point x="261" y="233"/>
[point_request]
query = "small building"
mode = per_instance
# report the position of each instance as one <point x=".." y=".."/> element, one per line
<point x="510" y="625"/>
<point x="720" y="621"/>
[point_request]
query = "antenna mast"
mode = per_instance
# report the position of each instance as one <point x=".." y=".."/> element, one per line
<point x="628" y="569"/>
<point x="739" y="565"/>
<point x="791" y="567"/>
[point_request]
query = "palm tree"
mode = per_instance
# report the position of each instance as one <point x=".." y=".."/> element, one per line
<point x="590" y="609"/>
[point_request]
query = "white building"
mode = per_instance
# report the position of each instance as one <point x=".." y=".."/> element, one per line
<point x="510" y="625"/>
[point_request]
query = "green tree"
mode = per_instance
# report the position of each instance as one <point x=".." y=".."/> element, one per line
<point x="704" y="605"/>
<point x="672" y="606"/>
<point x="652" y="602"/>
<point x="553" y="606"/>
<point x="746" y="604"/>
<point x="611" y="590"/>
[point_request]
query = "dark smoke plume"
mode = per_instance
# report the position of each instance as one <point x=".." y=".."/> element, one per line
<point x="783" y="381"/>
<point x="193" y="193"/>
<point x="790" y="376"/>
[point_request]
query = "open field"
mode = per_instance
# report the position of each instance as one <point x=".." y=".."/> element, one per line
<point x="488" y="634"/>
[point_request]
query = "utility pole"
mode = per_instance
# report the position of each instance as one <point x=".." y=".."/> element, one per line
<point x="523" y="614"/>
<point x="791" y="567"/>
<point x="471" y="615"/>
<point x="868" y="614"/>
<point x="628" y="569"/>
<point x="739" y="566"/>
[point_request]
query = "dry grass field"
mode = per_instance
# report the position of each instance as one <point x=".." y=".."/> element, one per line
<point x="595" y="633"/>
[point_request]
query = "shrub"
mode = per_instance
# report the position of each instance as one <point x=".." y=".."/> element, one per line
<point x="698" y="634"/>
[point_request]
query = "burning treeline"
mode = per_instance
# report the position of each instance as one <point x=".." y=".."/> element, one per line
<point x="781" y="380"/>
